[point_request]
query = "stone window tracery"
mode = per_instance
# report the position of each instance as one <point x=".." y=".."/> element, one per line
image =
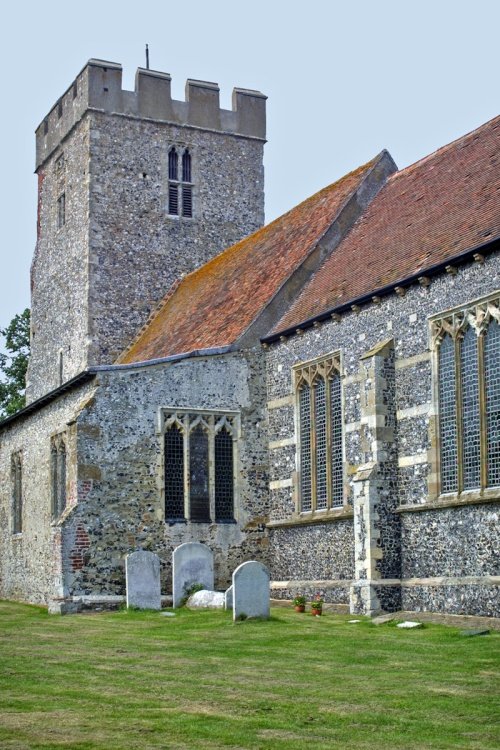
<point x="467" y="344"/>
<point x="17" y="492"/>
<point x="199" y="465"/>
<point x="180" y="189"/>
<point x="58" y="475"/>
<point x="320" y="435"/>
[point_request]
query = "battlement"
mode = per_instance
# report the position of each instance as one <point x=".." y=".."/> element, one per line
<point x="98" y="86"/>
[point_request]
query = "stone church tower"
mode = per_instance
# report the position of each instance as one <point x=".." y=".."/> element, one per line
<point x="134" y="190"/>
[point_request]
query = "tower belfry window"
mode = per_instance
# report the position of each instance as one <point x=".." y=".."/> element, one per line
<point x="180" y="187"/>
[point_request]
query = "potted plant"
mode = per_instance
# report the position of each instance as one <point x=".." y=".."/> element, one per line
<point x="317" y="605"/>
<point x="300" y="603"/>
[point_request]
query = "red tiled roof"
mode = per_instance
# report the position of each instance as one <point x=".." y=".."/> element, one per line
<point x="214" y="305"/>
<point x="441" y="206"/>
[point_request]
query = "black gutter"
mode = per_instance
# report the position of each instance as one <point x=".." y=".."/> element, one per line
<point x="438" y="268"/>
<point x="82" y="377"/>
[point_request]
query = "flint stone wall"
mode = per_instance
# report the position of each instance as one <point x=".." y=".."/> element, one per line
<point x="35" y="563"/>
<point x="96" y="279"/>
<point x="406" y="321"/>
<point x="121" y="446"/>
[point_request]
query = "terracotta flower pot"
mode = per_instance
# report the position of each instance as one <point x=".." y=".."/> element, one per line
<point x="300" y="607"/>
<point x="316" y="612"/>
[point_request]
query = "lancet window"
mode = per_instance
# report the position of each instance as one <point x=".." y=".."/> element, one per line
<point x="180" y="186"/>
<point x="199" y="465"/>
<point x="467" y="344"/>
<point x="320" y="435"/>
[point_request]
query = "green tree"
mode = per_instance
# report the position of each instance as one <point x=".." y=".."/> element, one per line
<point x="13" y="365"/>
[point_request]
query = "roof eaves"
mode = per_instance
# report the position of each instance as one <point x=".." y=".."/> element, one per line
<point x="464" y="257"/>
<point x="80" y="379"/>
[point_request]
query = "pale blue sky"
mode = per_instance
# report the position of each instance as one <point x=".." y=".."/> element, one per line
<point x="344" y="80"/>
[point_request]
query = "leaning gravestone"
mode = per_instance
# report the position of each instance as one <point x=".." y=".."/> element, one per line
<point x="192" y="562"/>
<point x="142" y="571"/>
<point x="250" y="590"/>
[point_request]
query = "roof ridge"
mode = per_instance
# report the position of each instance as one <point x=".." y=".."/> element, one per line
<point x="441" y="149"/>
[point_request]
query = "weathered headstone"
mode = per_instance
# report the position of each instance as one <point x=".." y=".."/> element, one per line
<point x="228" y="598"/>
<point x="192" y="562"/>
<point x="142" y="571"/>
<point x="250" y="591"/>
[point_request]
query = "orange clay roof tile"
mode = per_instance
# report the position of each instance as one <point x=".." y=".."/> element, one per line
<point x="437" y="208"/>
<point x="214" y="305"/>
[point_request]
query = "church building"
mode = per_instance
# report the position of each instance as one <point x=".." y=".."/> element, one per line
<point x="321" y="394"/>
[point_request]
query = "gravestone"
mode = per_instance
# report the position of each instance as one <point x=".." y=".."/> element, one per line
<point x="250" y="591"/>
<point x="192" y="562"/>
<point x="228" y="598"/>
<point x="142" y="571"/>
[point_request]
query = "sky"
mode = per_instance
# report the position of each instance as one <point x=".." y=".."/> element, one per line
<point x="344" y="80"/>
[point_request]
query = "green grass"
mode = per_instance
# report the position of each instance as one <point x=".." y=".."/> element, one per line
<point x="198" y="680"/>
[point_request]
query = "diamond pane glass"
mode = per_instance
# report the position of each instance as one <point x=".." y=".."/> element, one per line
<point x="471" y="462"/>
<point x="224" y="492"/>
<point x="199" y="498"/>
<point x="337" y="462"/>
<point x="320" y="429"/>
<point x="305" y="448"/>
<point x="492" y="386"/>
<point x="174" y="473"/>
<point x="447" y="415"/>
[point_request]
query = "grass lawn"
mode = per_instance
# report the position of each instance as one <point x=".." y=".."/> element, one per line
<point x="122" y="680"/>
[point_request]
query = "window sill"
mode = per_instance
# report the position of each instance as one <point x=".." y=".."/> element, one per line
<point x="309" y="519"/>
<point x="476" y="497"/>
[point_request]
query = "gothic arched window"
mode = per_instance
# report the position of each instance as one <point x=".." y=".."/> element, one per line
<point x="320" y="435"/>
<point x="468" y="379"/>
<point x="199" y="456"/>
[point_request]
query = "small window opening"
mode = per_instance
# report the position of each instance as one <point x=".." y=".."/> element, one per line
<point x="59" y="109"/>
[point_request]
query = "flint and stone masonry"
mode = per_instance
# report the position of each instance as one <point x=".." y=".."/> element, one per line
<point x="111" y="245"/>
<point x="394" y="545"/>
<point x="103" y="263"/>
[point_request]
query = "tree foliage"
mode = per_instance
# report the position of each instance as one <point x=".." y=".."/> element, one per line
<point x="14" y="364"/>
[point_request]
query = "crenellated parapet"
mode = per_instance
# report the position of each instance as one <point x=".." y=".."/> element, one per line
<point x="98" y="86"/>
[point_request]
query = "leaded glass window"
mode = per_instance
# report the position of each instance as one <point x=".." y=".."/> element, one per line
<point x="492" y="387"/>
<point x="174" y="473"/>
<point x="468" y="358"/>
<point x="199" y="450"/>
<point x="199" y="501"/>
<point x="320" y="435"/>
<point x="447" y="411"/>
<point x="305" y="447"/>
<point x="224" y="476"/>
